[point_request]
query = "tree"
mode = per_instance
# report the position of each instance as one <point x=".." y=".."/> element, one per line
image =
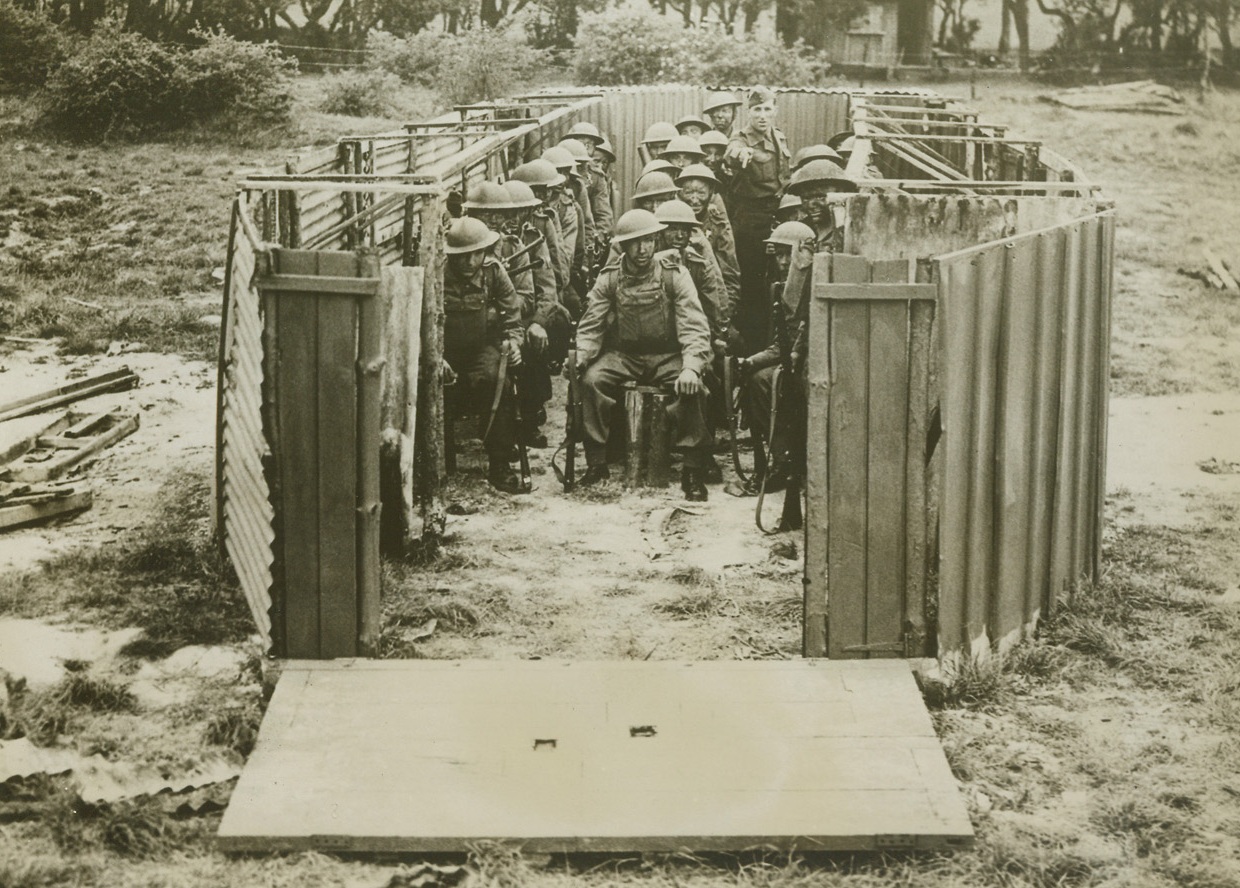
<point x="814" y="20"/>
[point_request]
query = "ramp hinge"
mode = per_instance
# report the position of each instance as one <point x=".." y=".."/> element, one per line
<point x="895" y="841"/>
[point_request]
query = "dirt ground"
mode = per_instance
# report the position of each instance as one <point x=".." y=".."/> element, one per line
<point x="1103" y="753"/>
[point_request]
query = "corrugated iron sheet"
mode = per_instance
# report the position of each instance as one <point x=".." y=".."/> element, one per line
<point x="246" y="512"/>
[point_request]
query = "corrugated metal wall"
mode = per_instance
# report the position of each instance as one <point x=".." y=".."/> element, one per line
<point x="1026" y="355"/>
<point x="244" y="508"/>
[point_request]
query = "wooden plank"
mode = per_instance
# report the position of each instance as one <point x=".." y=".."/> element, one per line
<point x="15" y="515"/>
<point x="979" y="614"/>
<point x="370" y="365"/>
<point x="956" y="289"/>
<point x="401" y="297"/>
<point x="1045" y="431"/>
<point x="297" y="453"/>
<point x="337" y="473"/>
<point x="847" y="469"/>
<point x="75" y="451"/>
<point x="430" y="426"/>
<point x="319" y="285"/>
<point x="1106" y="284"/>
<point x="829" y="755"/>
<point x="1017" y="394"/>
<point x="814" y="612"/>
<point x="886" y="463"/>
<point x="1090" y="393"/>
<point x="1062" y="553"/>
<point x="112" y="381"/>
<point x="884" y="291"/>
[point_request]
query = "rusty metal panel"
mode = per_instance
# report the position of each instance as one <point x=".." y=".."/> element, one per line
<point x="246" y="514"/>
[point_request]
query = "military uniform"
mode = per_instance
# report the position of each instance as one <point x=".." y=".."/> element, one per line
<point x="602" y="200"/>
<point x="718" y="230"/>
<point x="480" y="314"/>
<point x="644" y="328"/>
<point x="754" y="191"/>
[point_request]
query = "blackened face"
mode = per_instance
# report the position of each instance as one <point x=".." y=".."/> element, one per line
<point x="814" y="201"/>
<point x="466" y="265"/>
<point x="696" y="193"/>
<point x="678" y="236"/>
<point x="722" y="118"/>
<point x="656" y="149"/>
<point x="679" y="160"/>
<point x="781" y="259"/>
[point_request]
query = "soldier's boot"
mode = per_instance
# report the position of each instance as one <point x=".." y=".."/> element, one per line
<point x="502" y="477"/>
<point x="596" y="464"/>
<point x="692" y="485"/>
<point x="711" y="472"/>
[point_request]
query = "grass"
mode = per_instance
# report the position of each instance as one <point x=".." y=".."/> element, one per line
<point x="168" y="579"/>
<point x="43" y="715"/>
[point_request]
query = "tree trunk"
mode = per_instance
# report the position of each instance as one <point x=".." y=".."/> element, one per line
<point x="751" y="18"/>
<point x="787" y="22"/>
<point x="1020" y="18"/>
<point x="1067" y="21"/>
<point x="1005" y="30"/>
<point x="489" y="13"/>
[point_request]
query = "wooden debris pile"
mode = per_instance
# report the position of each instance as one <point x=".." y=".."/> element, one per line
<point x="1217" y="273"/>
<point x="1143" y="96"/>
<point x="31" y="466"/>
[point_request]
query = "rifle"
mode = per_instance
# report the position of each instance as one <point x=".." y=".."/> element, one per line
<point x="510" y="261"/>
<point x="523" y="454"/>
<point x="730" y="416"/>
<point x="600" y="259"/>
<point x="513" y="272"/>
<point x="787" y="405"/>
<point x="572" y="427"/>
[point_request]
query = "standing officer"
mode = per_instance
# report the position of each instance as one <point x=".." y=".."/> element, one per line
<point x="814" y="183"/>
<point x="758" y="162"/>
<point x="643" y="323"/>
<point x="482" y="320"/>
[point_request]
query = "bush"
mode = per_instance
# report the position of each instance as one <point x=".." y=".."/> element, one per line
<point x="225" y="76"/>
<point x="119" y="83"/>
<point x="712" y="57"/>
<point x="623" y="47"/>
<point x="475" y="65"/>
<point x="362" y="93"/>
<point x="30" y="47"/>
<point x="124" y="84"/>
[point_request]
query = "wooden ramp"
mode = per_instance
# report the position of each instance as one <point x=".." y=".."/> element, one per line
<point x="420" y="755"/>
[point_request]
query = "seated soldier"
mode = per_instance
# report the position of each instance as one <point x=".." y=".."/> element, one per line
<point x="643" y="323"/>
<point x="482" y="321"/>
<point x="758" y="370"/>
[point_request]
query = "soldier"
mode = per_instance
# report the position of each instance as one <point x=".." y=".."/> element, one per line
<point x="698" y="188"/>
<point x="643" y="323"/>
<point x="682" y="151"/>
<point x="814" y="183"/>
<point x="758" y="369"/>
<point x="814" y="152"/>
<point x="579" y="183"/>
<point x="713" y="145"/>
<point x="656" y="139"/>
<point x="482" y="321"/>
<point x="692" y="125"/>
<point x="683" y="233"/>
<point x="599" y="185"/>
<point x="662" y="165"/>
<point x="547" y="322"/>
<point x="720" y="110"/>
<point x="791" y="209"/>
<point x="543" y="179"/>
<point x="653" y="189"/>
<point x="568" y="211"/>
<point x="757" y="161"/>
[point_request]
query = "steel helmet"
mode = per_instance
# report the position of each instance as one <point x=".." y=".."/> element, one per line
<point x="488" y="196"/>
<point x="576" y="148"/>
<point x="660" y="132"/>
<point x="839" y="139"/>
<point x="719" y="100"/>
<point x="684" y="145"/>
<point x="790" y="234"/>
<point x="821" y="172"/>
<point x="605" y="149"/>
<point x="697" y="171"/>
<point x="788" y="201"/>
<point x="658" y="165"/>
<point x="676" y="212"/>
<point x="635" y="224"/>
<point x="538" y="172"/>
<point x="585" y="130"/>
<point x="815" y="152"/>
<point x="653" y="185"/>
<point x="522" y="195"/>
<point x="468" y="235"/>
<point x="691" y="120"/>
<point x="712" y="137"/>
<point x="846" y="148"/>
<point x="560" y="158"/>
